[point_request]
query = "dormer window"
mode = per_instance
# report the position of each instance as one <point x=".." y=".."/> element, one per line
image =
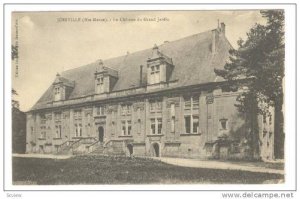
<point x="105" y="78"/>
<point x="100" y="85"/>
<point x="155" y="74"/>
<point x="62" y="88"/>
<point x="57" y="94"/>
<point x="159" y="66"/>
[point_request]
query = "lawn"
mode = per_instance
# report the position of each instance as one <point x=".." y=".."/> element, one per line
<point x="122" y="170"/>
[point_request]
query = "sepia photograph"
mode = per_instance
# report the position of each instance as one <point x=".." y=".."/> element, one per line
<point x="132" y="97"/>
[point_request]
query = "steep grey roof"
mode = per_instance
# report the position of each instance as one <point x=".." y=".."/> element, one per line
<point x="192" y="58"/>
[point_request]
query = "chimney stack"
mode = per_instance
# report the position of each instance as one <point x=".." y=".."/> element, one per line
<point x="223" y="28"/>
<point x="141" y="75"/>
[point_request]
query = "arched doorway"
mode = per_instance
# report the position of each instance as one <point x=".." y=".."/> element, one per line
<point x="130" y="149"/>
<point x="156" y="151"/>
<point x="101" y="133"/>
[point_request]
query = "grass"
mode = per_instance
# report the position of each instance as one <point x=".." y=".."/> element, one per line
<point x="121" y="170"/>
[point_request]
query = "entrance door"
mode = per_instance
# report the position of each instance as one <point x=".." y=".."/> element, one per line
<point x="156" y="149"/>
<point x="101" y="133"/>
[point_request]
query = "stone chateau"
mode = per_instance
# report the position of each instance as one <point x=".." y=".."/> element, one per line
<point x="162" y="101"/>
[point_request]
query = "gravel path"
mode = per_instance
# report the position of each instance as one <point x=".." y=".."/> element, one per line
<point x="217" y="165"/>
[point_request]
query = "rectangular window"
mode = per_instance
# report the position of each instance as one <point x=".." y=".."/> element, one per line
<point x="43" y="132"/>
<point x="128" y="127"/>
<point x="100" y="84"/>
<point x="155" y="74"/>
<point x="57" y="116"/>
<point x="56" y="93"/>
<point x="172" y="110"/>
<point x="138" y="113"/>
<point x="123" y="128"/>
<point x="153" y="126"/>
<point x="159" y="126"/>
<point x="80" y="130"/>
<point x="187" y="120"/>
<point x="195" y="124"/>
<point x="100" y="110"/>
<point x="58" y="131"/>
<point x="126" y="109"/>
<point x="152" y="106"/>
<point x="156" y="126"/>
<point x="77" y="114"/>
<point x="190" y="102"/>
<point x="187" y="103"/>
<point x="195" y="100"/>
<point x="139" y="126"/>
<point x="76" y="131"/>
<point x="158" y="105"/>
<point x="173" y="124"/>
<point x="191" y="123"/>
<point x="155" y="105"/>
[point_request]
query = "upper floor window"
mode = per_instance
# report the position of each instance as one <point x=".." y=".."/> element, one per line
<point x="155" y="106"/>
<point x="156" y="126"/>
<point x="77" y="114"/>
<point x="57" y="93"/>
<point x="43" y="132"/>
<point x="155" y="74"/>
<point x="100" y="84"/>
<point x="191" y="123"/>
<point x="191" y="102"/>
<point x="57" y="116"/>
<point x="43" y="118"/>
<point x="58" y="131"/>
<point x="78" y="130"/>
<point x="126" y="109"/>
<point x="100" y="110"/>
<point x="126" y="127"/>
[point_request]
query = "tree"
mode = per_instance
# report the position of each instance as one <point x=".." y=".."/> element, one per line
<point x="259" y="60"/>
<point x="15" y="104"/>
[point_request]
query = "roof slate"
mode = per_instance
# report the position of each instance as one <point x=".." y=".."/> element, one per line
<point x="192" y="58"/>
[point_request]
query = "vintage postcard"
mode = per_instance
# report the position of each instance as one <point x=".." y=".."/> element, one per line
<point x="148" y="97"/>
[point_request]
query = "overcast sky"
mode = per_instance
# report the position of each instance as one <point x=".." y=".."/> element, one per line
<point x="48" y="45"/>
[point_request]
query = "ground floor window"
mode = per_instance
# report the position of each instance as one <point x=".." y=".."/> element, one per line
<point x="58" y="131"/>
<point x="191" y="123"/>
<point x="173" y="124"/>
<point x="43" y="132"/>
<point x="126" y="127"/>
<point x="78" y="130"/>
<point x="156" y="125"/>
